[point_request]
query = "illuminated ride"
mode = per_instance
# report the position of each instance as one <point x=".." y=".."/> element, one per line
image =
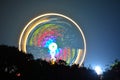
<point x="54" y="36"/>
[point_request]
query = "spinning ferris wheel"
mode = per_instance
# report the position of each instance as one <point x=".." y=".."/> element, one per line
<point x="54" y="36"/>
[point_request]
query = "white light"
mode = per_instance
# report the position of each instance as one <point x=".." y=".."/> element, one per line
<point x="52" y="48"/>
<point x="98" y="70"/>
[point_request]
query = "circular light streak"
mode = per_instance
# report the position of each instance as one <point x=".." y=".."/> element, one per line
<point x="51" y="33"/>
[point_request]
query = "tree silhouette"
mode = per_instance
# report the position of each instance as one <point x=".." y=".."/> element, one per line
<point x="16" y="65"/>
<point x="113" y="73"/>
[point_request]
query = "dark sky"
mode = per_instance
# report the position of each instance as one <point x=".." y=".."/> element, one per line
<point x="99" y="20"/>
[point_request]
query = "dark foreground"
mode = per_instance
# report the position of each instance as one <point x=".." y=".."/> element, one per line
<point x="15" y="65"/>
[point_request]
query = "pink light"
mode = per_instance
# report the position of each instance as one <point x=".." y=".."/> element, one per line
<point x="40" y="38"/>
<point x="64" y="53"/>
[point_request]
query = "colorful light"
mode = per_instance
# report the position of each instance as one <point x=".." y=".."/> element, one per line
<point x="53" y="48"/>
<point x="54" y="36"/>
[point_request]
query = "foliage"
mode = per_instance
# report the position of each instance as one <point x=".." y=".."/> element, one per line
<point x="113" y="73"/>
<point x="16" y="65"/>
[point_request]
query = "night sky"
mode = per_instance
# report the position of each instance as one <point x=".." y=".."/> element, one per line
<point x="99" y="20"/>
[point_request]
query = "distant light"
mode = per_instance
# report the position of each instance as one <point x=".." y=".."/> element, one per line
<point x="98" y="70"/>
<point x="18" y="74"/>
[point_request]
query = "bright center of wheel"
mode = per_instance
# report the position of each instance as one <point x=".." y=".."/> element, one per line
<point x="53" y="48"/>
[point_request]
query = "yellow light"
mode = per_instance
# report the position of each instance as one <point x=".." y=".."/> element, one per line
<point x="52" y="62"/>
<point x="23" y="47"/>
<point x="78" y="57"/>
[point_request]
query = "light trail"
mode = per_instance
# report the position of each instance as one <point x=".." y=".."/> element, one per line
<point x="26" y="31"/>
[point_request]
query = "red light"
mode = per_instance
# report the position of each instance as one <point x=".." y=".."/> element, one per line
<point x="18" y="74"/>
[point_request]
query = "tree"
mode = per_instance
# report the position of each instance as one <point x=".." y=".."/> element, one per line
<point x="113" y="73"/>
